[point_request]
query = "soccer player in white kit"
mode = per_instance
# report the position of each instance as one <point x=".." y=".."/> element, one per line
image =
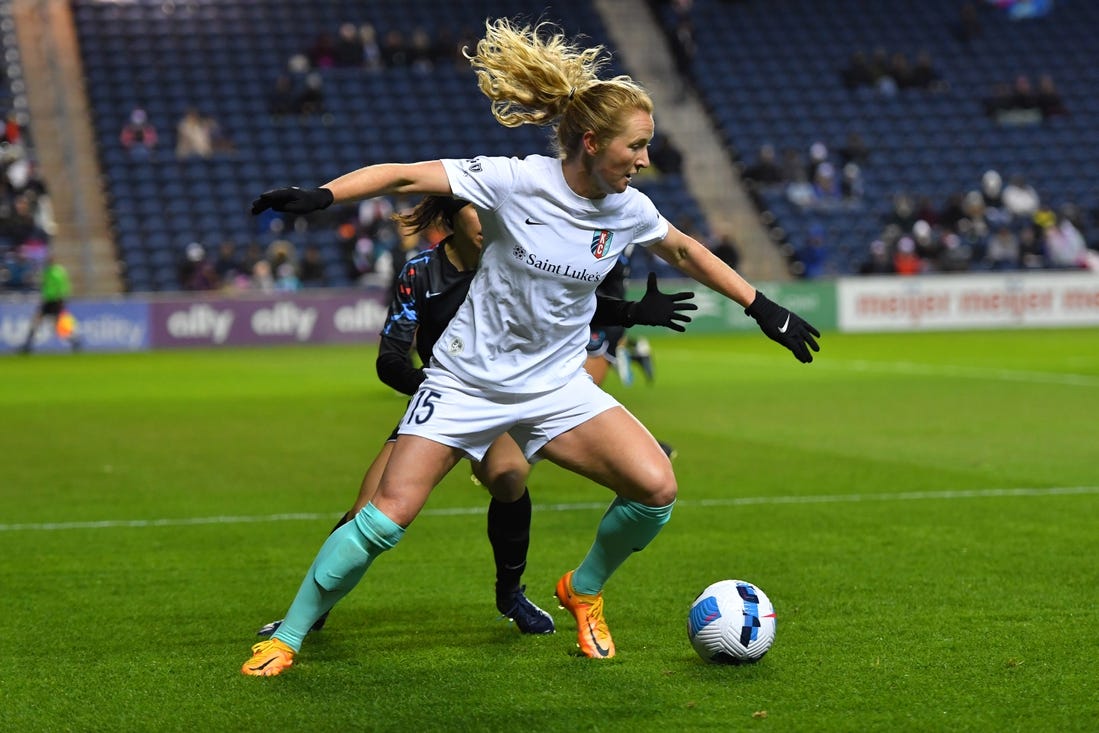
<point x="512" y="358"/>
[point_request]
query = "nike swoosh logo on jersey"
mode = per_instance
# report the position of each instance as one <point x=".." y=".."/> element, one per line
<point x="532" y="222"/>
<point x="783" y="327"/>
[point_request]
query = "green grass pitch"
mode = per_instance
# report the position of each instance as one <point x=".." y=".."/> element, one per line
<point x="922" y="509"/>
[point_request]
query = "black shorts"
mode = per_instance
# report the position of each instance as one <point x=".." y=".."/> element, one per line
<point x="51" y="307"/>
<point x="604" y="341"/>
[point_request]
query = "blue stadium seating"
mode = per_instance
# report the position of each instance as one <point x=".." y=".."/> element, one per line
<point x="770" y="71"/>
<point x="223" y="57"/>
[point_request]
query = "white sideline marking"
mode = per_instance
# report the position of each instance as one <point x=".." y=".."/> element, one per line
<point x="465" y="511"/>
<point x="946" y="370"/>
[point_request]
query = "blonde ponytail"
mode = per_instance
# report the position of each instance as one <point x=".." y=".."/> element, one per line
<point x="535" y="76"/>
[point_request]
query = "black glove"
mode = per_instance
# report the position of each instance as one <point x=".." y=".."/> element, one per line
<point x="784" y="326"/>
<point x="293" y="200"/>
<point x="660" y="309"/>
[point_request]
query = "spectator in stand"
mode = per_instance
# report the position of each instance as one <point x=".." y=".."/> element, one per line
<point x="138" y="135"/>
<point x="857" y="73"/>
<point x="992" y="191"/>
<point x="1002" y="252"/>
<point x="196" y="272"/>
<point x="311" y="268"/>
<point x="421" y="51"/>
<point x="322" y="54"/>
<point x="903" y="215"/>
<point x="1023" y="97"/>
<point x="925" y="210"/>
<point x="1032" y="252"/>
<point x="905" y="259"/>
<point x="1021" y="200"/>
<point x="311" y="99"/>
<point x="827" y="192"/>
<point x="372" y="52"/>
<point x="900" y="70"/>
<point x="1049" y="99"/>
<point x="347" y="52"/>
<point x="13" y="131"/>
<point x="851" y="186"/>
<point x="664" y="156"/>
<point x="818" y="155"/>
<point x="878" y="261"/>
<point x="953" y="211"/>
<point x="726" y="250"/>
<point x="765" y="171"/>
<point x="954" y="253"/>
<point x="813" y="255"/>
<point x="1064" y="244"/>
<point x="928" y="243"/>
<point x="684" y="49"/>
<point x="394" y="49"/>
<point x="998" y="101"/>
<point x="193" y="135"/>
<point x="854" y="150"/>
<point x="924" y="75"/>
<point x="283" y="99"/>
<point x="969" y="25"/>
<point x="793" y="165"/>
<point x="227" y="265"/>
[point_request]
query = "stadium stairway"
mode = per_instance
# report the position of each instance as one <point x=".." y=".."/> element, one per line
<point x="60" y="125"/>
<point x="708" y="170"/>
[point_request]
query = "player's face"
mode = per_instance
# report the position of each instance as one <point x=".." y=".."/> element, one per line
<point x="616" y="163"/>
<point x="467" y="226"/>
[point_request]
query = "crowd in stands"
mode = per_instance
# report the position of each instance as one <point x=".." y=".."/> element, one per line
<point x="26" y="214"/>
<point x="1022" y="102"/>
<point x="822" y="181"/>
<point x="889" y="73"/>
<point x="198" y="135"/>
<point x="1000" y="227"/>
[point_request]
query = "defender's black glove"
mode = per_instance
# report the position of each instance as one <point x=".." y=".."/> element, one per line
<point x="293" y="200"/>
<point x="784" y="326"/>
<point x="660" y="309"/>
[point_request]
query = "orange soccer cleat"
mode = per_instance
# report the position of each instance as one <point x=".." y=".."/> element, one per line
<point x="593" y="637"/>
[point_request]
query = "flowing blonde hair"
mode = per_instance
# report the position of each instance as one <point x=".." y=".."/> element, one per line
<point x="534" y="75"/>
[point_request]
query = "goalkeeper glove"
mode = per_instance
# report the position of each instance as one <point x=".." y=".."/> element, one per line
<point x="660" y="309"/>
<point x="784" y="326"/>
<point x="293" y="200"/>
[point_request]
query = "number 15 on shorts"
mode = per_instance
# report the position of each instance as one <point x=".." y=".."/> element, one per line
<point x="423" y="407"/>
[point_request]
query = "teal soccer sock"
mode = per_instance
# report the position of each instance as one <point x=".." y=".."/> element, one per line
<point x="626" y="528"/>
<point x="338" y="567"/>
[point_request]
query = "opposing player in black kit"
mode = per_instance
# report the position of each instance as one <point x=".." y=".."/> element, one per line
<point x="428" y="292"/>
<point x="608" y="340"/>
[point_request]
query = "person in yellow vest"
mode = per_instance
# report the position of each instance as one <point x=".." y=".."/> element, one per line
<point x="56" y="286"/>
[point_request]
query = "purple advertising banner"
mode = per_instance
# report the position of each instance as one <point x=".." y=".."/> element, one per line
<point x="101" y="326"/>
<point x="285" y="318"/>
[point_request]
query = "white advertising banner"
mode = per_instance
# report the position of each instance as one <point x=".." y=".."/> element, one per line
<point x="937" y="302"/>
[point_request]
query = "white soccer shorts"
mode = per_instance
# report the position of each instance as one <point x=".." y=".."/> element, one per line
<point x="464" y="417"/>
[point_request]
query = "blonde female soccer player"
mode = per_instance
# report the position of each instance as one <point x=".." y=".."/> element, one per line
<point x="512" y="359"/>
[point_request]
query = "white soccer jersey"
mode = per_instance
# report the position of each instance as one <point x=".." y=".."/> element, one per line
<point x="524" y="327"/>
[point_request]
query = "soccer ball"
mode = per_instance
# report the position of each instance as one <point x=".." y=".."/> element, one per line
<point x="731" y="622"/>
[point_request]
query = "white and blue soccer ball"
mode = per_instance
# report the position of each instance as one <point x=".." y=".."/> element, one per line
<point x="731" y="622"/>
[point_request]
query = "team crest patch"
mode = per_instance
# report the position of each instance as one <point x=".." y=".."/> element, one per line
<point x="473" y="165"/>
<point x="600" y="241"/>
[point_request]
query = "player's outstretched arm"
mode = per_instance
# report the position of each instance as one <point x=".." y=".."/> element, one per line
<point x="781" y="325"/>
<point x="428" y="177"/>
